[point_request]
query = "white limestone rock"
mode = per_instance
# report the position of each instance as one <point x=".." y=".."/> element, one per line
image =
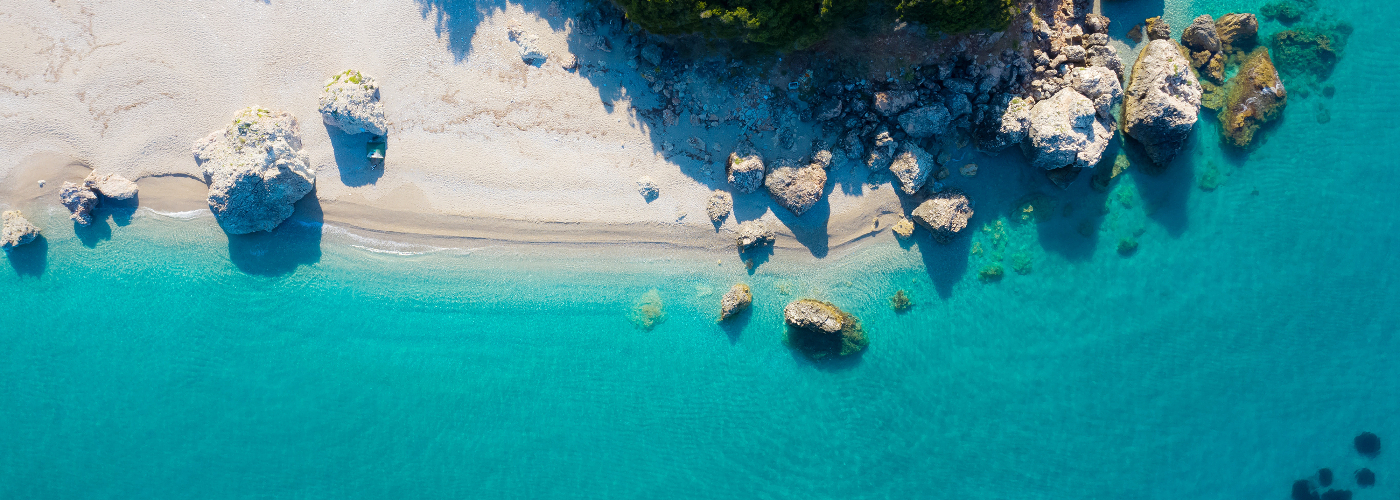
<point x="1065" y="132"/>
<point x="79" y="199"/>
<point x="350" y="102"/>
<point x="1162" y="101"/>
<point x="17" y="230"/>
<point x="912" y="167"/>
<point x="255" y="170"/>
<point x="112" y="185"/>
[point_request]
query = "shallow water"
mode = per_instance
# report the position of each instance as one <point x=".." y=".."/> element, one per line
<point x="1240" y="348"/>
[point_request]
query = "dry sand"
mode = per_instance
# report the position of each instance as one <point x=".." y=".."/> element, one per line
<point x="481" y="145"/>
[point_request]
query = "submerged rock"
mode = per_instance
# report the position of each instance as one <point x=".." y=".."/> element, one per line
<point x="79" y="199"/>
<point x="1162" y="101"/>
<point x="1064" y="132"/>
<point x="796" y="188"/>
<point x="350" y="102"/>
<point x="112" y="185"/>
<point x="1254" y="96"/>
<point x="719" y="205"/>
<point x="912" y="167"/>
<point x="820" y="330"/>
<point x="745" y="169"/>
<point x="648" y="311"/>
<point x="255" y="170"/>
<point x="752" y="234"/>
<point x="1368" y="444"/>
<point x="1237" y="31"/>
<point x="1307" y="51"/>
<point x="1302" y="490"/>
<point x="735" y="301"/>
<point x="1365" y="478"/>
<point x="944" y="215"/>
<point x="17" y="230"/>
<point x="1324" y="477"/>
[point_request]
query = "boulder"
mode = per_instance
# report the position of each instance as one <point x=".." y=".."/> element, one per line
<point x="904" y="228"/>
<point x="829" y="109"/>
<point x="1095" y="23"/>
<point x="255" y="170"/>
<point x="350" y="102"/>
<point x="944" y="215"/>
<point x="958" y="105"/>
<point x="1100" y="85"/>
<point x="752" y="234"/>
<point x="1064" y="132"/>
<point x="892" y="102"/>
<point x="111" y="185"/>
<point x="912" y="167"/>
<point x="927" y="121"/>
<point x="1200" y="35"/>
<point x="958" y="85"/>
<point x="735" y="301"/>
<point x="17" y="230"/>
<point x="1237" y="31"/>
<point x="745" y="169"/>
<point x="1105" y="56"/>
<point x="1158" y="29"/>
<point x="719" y="205"/>
<point x="1255" y="95"/>
<point x="646" y="186"/>
<point x="1074" y="53"/>
<point x="796" y="188"/>
<point x="1015" y="121"/>
<point x="820" y="330"/>
<point x="79" y="199"/>
<point x="1162" y="101"/>
<point x="651" y="53"/>
<point x="881" y="151"/>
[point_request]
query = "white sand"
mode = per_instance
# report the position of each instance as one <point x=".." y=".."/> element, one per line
<point x="480" y="145"/>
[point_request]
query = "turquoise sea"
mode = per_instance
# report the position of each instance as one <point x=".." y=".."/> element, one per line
<point x="1243" y="345"/>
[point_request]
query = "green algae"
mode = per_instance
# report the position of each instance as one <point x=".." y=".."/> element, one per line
<point x="900" y="302"/>
<point x="648" y="311"/>
<point x="991" y="273"/>
<point x="1022" y="264"/>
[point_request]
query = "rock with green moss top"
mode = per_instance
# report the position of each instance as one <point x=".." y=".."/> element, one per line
<point x="350" y="102"/>
<point x="991" y="273"/>
<point x="1254" y="96"/>
<point x="1237" y="31"/>
<point x="1309" y="51"/>
<point x="820" y="330"/>
<point x="735" y="301"/>
<point x="255" y="170"/>
<point x="17" y="230"/>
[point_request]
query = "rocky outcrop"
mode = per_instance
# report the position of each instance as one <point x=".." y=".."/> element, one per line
<point x="350" y="102"/>
<point x="892" y="102"/>
<point x="79" y="199"/>
<point x="912" y="167"/>
<point x="735" y="301"/>
<point x="1158" y="29"/>
<point x="1065" y="132"/>
<point x="928" y="121"/>
<point x="1255" y="95"/>
<point x="255" y="170"/>
<point x="1015" y="121"/>
<point x="752" y="234"/>
<point x="1200" y="35"/>
<point x="1237" y="31"/>
<point x="745" y="169"/>
<point x="646" y="186"/>
<point x="796" y="188"/>
<point x="1162" y="101"/>
<point x="719" y="205"/>
<point x="881" y="150"/>
<point x="904" y="228"/>
<point x="1101" y="86"/>
<point x="944" y="215"/>
<point x="17" y="230"/>
<point x="820" y="330"/>
<point x="111" y="185"/>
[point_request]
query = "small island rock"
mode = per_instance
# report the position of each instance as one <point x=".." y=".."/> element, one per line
<point x="735" y="301"/>
<point x="350" y="102"/>
<point x="79" y="199"/>
<point x="820" y="330"/>
<point x="1158" y="29"/>
<point x="751" y="234"/>
<point x="719" y="205"/>
<point x="1162" y="101"/>
<point x="255" y="170"/>
<point x="1237" y="31"/>
<point x="796" y="188"/>
<point x="745" y="169"/>
<point x="1254" y="96"/>
<point x="904" y="228"/>
<point x="112" y="185"/>
<point x="944" y="215"/>
<point x="1200" y="35"/>
<point x="17" y="230"/>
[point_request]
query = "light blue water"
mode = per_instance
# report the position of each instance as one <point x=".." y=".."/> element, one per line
<point x="1242" y="347"/>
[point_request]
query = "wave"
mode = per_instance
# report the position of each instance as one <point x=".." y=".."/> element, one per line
<point x="186" y="215"/>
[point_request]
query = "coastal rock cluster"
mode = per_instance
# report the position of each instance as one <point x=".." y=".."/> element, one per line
<point x="17" y="230"/>
<point x="255" y="170"/>
<point x="350" y="102"/>
<point x="80" y="198"/>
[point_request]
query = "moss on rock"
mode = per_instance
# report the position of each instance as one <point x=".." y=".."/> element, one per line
<point x="821" y="330"/>
<point x="1255" y="95"/>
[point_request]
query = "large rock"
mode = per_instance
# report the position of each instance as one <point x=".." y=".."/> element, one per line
<point x="1254" y="96"/>
<point x="796" y="188"/>
<point x="892" y="102"/>
<point x="944" y="215"/>
<point x="752" y="234"/>
<point x="958" y="105"/>
<point x="745" y="169"/>
<point x="928" y="121"/>
<point x="1105" y="56"/>
<point x="735" y="301"/>
<point x="719" y="205"/>
<point x="17" y="230"/>
<point x="111" y="185"/>
<point x="1100" y="85"/>
<point x="882" y="150"/>
<point x="1200" y="35"/>
<point x="79" y="199"/>
<point x="255" y="170"/>
<point x="1064" y="132"/>
<point x="1158" y="29"/>
<point x="1162" y="101"/>
<point x="350" y="102"/>
<point x="820" y="330"/>
<point x="1015" y="121"/>
<point x="912" y="166"/>
<point x="1237" y="31"/>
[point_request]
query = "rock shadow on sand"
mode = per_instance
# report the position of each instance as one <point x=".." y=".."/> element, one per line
<point x="457" y="20"/>
<point x="351" y="159"/>
<point x="293" y="243"/>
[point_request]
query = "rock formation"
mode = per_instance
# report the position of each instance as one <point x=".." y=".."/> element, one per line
<point x="1066" y="132"/>
<point x="1162" y="100"/>
<point x="735" y="301"/>
<point x="1158" y="29"/>
<point x="753" y="233"/>
<point x="111" y="185"/>
<point x="1255" y="95"/>
<point x="255" y="170"/>
<point x="881" y="150"/>
<point x="1201" y="40"/>
<point x="891" y="103"/>
<point x="796" y="188"/>
<point x="1237" y="31"/>
<point x="79" y="199"/>
<point x="1101" y="86"/>
<point x="745" y="169"/>
<point x="17" y="230"/>
<point x="820" y="330"/>
<point x="528" y="43"/>
<point x="924" y="122"/>
<point x="904" y="228"/>
<point x="944" y="215"/>
<point x="719" y="205"/>
<point x="1015" y="121"/>
<point x="912" y="167"/>
<point x="350" y="102"/>
<point x="646" y="187"/>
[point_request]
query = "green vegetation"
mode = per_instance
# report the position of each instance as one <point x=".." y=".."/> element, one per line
<point x="900" y="302"/>
<point x="800" y="23"/>
<point x="648" y="311"/>
<point x="1022" y="264"/>
<point x="991" y="273"/>
<point x="818" y="345"/>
